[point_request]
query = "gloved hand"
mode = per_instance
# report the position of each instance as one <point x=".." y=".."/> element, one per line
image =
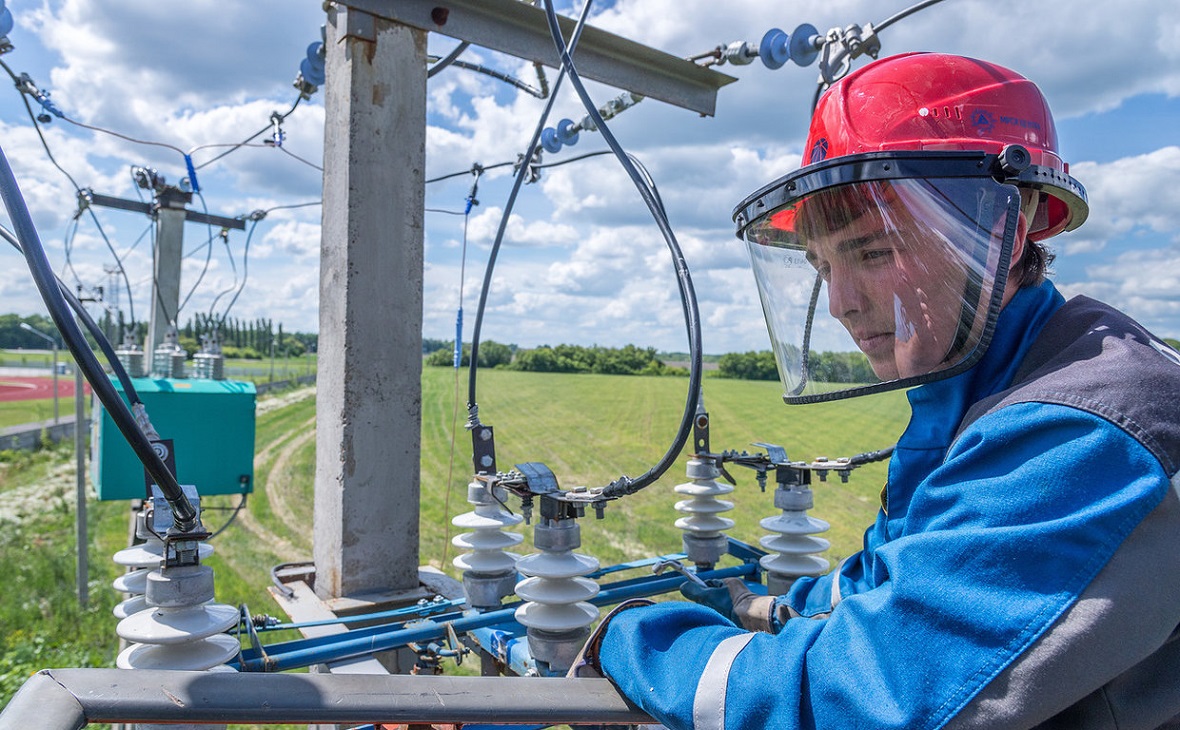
<point x="715" y="596"/>
<point x="733" y="600"/>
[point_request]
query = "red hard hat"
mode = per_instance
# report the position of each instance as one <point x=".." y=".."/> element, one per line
<point x="933" y="101"/>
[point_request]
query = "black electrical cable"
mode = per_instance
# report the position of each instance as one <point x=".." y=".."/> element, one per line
<point x="118" y="262"/>
<point x="870" y="456"/>
<point x="245" y="275"/>
<point x="233" y="516"/>
<point x="819" y="89"/>
<point x="73" y="182"/>
<point x="500" y="76"/>
<point x="232" y="287"/>
<point x="282" y="118"/>
<point x="908" y="11"/>
<point x="185" y="518"/>
<point x="67" y="246"/>
<point x="447" y="60"/>
<point x="95" y="331"/>
<point x="625" y="485"/>
<point x="135" y="244"/>
<point x="521" y="174"/>
<point x="208" y="258"/>
<point x="467" y="172"/>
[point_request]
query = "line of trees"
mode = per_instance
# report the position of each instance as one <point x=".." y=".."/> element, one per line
<point x="239" y="338"/>
<point x="828" y="367"/>
<point x="627" y="360"/>
<point x="842" y="367"/>
<point x="251" y="339"/>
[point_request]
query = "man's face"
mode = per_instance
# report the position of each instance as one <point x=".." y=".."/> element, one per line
<point x="895" y="286"/>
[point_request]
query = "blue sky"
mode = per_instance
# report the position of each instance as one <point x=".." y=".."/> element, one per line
<point x="582" y="262"/>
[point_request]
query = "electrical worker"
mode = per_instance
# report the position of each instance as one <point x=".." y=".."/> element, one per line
<point x="1024" y="568"/>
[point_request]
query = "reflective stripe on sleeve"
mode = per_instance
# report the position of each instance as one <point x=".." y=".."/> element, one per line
<point x="708" y="706"/>
<point x="836" y="597"/>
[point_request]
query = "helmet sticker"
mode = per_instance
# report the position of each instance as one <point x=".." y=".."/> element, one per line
<point x="819" y="150"/>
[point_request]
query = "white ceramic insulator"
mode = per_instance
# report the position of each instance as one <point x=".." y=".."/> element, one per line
<point x="793" y="546"/>
<point x="703" y="506"/>
<point x="188" y="638"/>
<point x="556" y="591"/>
<point x="487" y="539"/>
<point x="133" y="584"/>
<point x="143" y="558"/>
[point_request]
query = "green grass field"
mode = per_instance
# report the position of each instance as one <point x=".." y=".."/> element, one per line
<point x="588" y="429"/>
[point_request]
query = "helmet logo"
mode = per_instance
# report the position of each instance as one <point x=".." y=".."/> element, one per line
<point x="983" y="121"/>
<point x="819" y="150"/>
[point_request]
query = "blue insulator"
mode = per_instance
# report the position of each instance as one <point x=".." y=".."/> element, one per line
<point x="802" y="47"/>
<point x="550" y="141"/>
<point x="566" y="132"/>
<point x="313" y="67"/>
<point x="458" y="356"/>
<point x="773" y="49"/>
<point x="6" y="22"/>
<point x="192" y="174"/>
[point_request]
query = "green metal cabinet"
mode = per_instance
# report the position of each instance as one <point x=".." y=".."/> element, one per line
<point x="211" y="424"/>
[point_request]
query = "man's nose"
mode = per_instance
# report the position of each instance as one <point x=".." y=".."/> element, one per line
<point x="844" y="295"/>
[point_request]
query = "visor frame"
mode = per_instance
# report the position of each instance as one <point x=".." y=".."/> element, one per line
<point x="883" y="166"/>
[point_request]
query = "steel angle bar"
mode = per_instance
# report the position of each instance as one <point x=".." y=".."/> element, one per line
<point x="221" y="221"/>
<point x="67" y="699"/>
<point x="520" y="29"/>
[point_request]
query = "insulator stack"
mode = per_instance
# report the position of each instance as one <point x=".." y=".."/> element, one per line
<point x="140" y="560"/>
<point x="208" y="366"/>
<point x="556" y="611"/>
<point x="793" y="545"/>
<point x="704" y="529"/>
<point x="489" y="572"/>
<point x="131" y="358"/>
<point x="180" y="628"/>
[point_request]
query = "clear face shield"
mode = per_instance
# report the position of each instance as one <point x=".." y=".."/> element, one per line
<point x="882" y="270"/>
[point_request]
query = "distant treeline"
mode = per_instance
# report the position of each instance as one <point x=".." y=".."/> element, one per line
<point x="836" y="367"/>
<point x="239" y="338"/>
<point x="628" y="360"/>
<point x="246" y="338"/>
<point x="828" y="367"/>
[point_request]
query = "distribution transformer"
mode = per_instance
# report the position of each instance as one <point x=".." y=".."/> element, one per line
<point x="211" y="425"/>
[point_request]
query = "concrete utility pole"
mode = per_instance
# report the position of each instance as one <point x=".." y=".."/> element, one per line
<point x="166" y="260"/>
<point x="368" y="410"/>
<point x="368" y="401"/>
<point x="171" y="214"/>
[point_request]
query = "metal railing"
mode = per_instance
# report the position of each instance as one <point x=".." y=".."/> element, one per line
<point x="67" y="699"/>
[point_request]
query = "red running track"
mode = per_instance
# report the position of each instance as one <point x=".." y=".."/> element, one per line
<point x="12" y="389"/>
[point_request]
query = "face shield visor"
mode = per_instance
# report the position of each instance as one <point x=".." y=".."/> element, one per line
<point x="881" y="270"/>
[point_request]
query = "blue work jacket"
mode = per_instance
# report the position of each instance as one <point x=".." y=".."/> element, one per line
<point x="980" y="596"/>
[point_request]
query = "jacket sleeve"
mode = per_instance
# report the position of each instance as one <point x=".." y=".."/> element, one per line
<point x="1027" y="507"/>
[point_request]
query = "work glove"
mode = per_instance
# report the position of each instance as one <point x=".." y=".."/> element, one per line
<point x="733" y="600"/>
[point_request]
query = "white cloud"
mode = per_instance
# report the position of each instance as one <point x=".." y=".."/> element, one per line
<point x="582" y="260"/>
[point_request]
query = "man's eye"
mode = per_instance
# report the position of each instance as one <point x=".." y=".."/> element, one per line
<point x="878" y="255"/>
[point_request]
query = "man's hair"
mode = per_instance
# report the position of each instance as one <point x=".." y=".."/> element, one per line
<point x="1034" y="264"/>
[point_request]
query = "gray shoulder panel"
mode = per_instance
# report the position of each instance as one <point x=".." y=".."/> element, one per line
<point x="1093" y="357"/>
